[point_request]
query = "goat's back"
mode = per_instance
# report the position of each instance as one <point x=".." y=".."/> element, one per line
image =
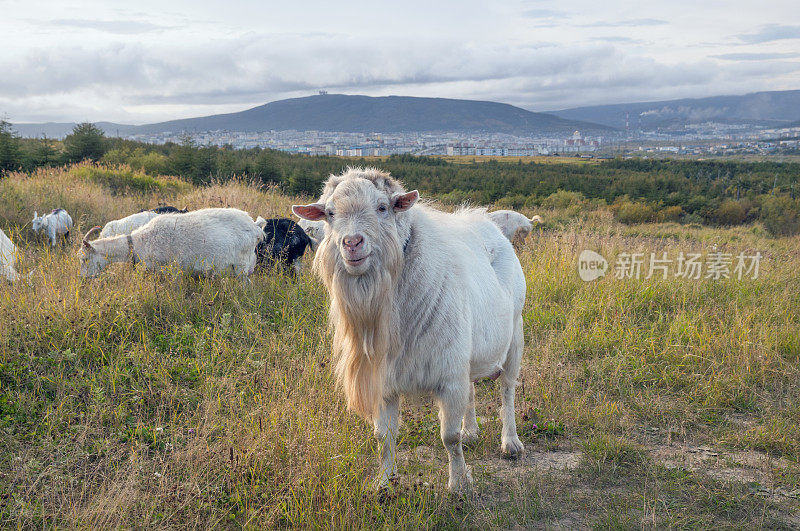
<point x="210" y="238"/>
<point x="127" y="224"/>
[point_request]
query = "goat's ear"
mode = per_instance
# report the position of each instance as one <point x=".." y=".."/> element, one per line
<point x="402" y="202"/>
<point x="35" y="214"/>
<point x="88" y="245"/>
<point x="312" y="212"/>
<point x="261" y="222"/>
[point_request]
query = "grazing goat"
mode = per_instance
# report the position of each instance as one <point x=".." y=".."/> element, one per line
<point x="211" y="240"/>
<point x="130" y="223"/>
<point x="284" y="243"/>
<point x="514" y="225"/>
<point x="421" y="302"/>
<point x="56" y="223"/>
<point x="8" y="258"/>
<point x="315" y="231"/>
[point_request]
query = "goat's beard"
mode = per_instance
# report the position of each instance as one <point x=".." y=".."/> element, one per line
<point x="364" y="319"/>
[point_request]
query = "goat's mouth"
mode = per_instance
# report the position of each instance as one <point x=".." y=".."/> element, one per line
<point x="355" y="262"/>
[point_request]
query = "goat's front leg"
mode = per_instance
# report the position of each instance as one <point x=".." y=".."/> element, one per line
<point x="387" y="423"/>
<point x="452" y="406"/>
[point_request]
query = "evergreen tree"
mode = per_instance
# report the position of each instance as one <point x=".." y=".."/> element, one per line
<point x="10" y="153"/>
<point x="87" y="141"/>
<point x="181" y="158"/>
<point x="302" y="182"/>
<point x="267" y="168"/>
<point x="44" y="153"/>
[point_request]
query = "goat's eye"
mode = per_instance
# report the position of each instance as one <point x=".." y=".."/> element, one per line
<point x="382" y="208"/>
<point x="330" y="213"/>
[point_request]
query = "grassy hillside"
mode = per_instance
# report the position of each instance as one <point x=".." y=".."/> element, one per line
<point x="157" y="400"/>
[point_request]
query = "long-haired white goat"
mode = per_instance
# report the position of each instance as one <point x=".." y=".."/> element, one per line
<point x="210" y="240"/>
<point x="422" y="302"/>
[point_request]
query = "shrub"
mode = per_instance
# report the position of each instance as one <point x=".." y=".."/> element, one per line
<point x="781" y="215"/>
<point x="513" y="202"/>
<point x="632" y="213"/>
<point x="670" y="213"/>
<point x="730" y="212"/>
<point x="151" y="163"/>
<point x="122" y="180"/>
<point x="563" y="199"/>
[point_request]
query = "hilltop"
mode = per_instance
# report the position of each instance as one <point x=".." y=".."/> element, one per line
<point x="339" y="112"/>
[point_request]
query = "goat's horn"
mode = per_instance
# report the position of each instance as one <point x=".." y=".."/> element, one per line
<point x="86" y="236"/>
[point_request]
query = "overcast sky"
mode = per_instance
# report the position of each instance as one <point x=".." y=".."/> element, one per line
<point x="145" y="61"/>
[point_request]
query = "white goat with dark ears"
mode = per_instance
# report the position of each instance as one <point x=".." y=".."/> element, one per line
<point x="422" y="302"/>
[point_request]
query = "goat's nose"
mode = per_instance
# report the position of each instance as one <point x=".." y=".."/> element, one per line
<point x="353" y="242"/>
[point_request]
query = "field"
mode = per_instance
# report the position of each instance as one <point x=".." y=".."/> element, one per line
<point x="160" y="400"/>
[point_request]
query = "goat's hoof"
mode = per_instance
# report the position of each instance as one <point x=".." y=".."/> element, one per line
<point x="512" y="447"/>
<point x="384" y="482"/>
<point x="462" y="483"/>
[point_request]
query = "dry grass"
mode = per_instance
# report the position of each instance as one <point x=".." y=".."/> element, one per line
<point x="158" y="400"/>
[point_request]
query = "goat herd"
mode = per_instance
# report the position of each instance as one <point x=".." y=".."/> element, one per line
<point x="422" y="301"/>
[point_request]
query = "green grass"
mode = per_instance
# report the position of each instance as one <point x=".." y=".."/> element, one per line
<point x="159" y="400"/>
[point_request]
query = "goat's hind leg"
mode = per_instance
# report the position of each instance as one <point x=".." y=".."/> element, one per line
<point x="452" y="406"/>
<point x="510" y="443"/>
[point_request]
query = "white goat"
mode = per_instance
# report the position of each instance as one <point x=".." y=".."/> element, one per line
<point x="315" y="231"/>
<point x="514" y="225"/>
<point x="210" y="240"/>
<point x="56" y="223"/>
<point x="127" y="224"/>
<point x="421" y="302"/>
<point x="8" y="258"/>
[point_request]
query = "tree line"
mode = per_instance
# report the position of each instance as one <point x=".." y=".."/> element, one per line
<point x="637" y="190"/>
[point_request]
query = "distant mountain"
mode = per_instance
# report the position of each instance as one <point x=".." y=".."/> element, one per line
<point x="364" y="114"/>
<point x="338" y="112"/>
<point x="760" y="108"/>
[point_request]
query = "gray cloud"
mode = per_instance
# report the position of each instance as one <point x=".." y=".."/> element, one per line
<point x="617" y="38"/>
<point x="115" y="27"/>
<point x="756" y="56"/>
<point x="545" y="13"/>
<point x="147" y="81"/>
<point x="771" y="32"/>
<point x="633" y="22"/>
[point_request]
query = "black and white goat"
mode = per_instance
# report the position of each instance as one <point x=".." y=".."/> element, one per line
<point x="285" y="243"/>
